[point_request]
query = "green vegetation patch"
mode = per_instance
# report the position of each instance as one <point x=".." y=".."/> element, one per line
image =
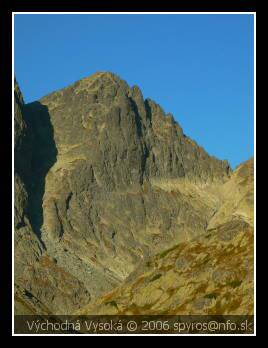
<point x="166" y="252"/>
<point x="211" y="296"/>
<point x="111" y="303"/>
<point x="148" y="264"/>
<point x="235" y="283"/>
<point x="157" y="276"/>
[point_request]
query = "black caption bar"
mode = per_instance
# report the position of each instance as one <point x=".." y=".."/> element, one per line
<point x="136" y="324"/>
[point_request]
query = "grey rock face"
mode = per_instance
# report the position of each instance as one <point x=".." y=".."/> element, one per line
<point x="102" y="160"/>
<point x="40" y="285"/>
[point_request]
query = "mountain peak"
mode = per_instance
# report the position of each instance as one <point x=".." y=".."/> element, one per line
<point x="104" y="109"/>
<point x="103" y="77"/>
<point x="106" y="180"/>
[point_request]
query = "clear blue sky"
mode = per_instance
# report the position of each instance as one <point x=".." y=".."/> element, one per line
<point x="198" y="67"/>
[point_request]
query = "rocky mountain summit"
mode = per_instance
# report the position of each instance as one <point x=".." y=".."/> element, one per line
<point x="106" y="184"/>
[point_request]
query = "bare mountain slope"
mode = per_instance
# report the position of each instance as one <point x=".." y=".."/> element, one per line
<point x="211" y="274"/>
<point x="105" y="181"/>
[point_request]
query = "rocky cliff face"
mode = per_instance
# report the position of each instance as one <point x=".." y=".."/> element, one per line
<point x="41" y="286"/>
<point x="104" y="182"/>
<point x="211" y="274"/>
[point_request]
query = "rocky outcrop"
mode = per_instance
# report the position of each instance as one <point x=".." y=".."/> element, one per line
<point x="212" y="274"/>
<point x="110" y="182"/>
<point x="237" y="196"/>
<point x="40" y="285"/>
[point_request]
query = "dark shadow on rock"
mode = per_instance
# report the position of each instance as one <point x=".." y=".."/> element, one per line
<point x="148" y="111"/>
<point x="137" y="117"/>
<point x="139" y="127"/>
<point x="43" y="156"/>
